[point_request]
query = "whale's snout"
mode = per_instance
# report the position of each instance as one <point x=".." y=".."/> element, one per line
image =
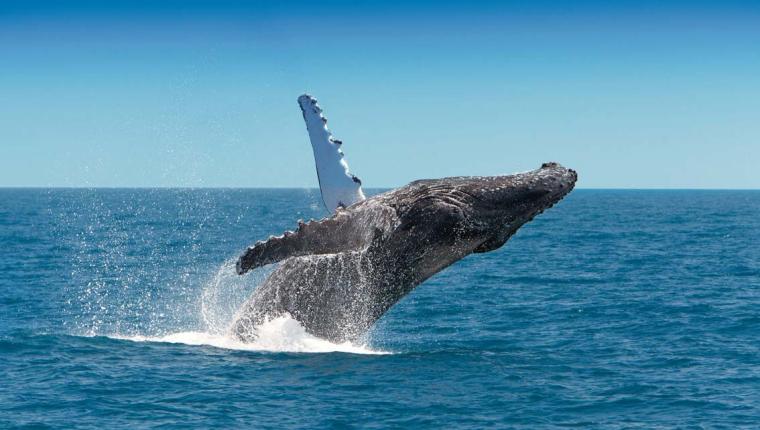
<point x="499" y="205"/>
<point x="515" y="199"/>
<point x="521" y="193"/>
<point x="554" y="179"/>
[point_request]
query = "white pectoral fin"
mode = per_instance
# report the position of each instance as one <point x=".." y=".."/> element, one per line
<point x="339" y="187"/>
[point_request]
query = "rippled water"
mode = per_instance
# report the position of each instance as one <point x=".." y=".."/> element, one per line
<point x="613" y="309"/>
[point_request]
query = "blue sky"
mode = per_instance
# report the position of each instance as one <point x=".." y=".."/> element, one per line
<point x="631" y="94"/>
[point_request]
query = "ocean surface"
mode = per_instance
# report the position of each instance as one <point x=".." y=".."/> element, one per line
<point x="614" y="309"/>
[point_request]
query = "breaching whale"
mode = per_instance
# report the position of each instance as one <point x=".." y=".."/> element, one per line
<point x="337" y="276"/>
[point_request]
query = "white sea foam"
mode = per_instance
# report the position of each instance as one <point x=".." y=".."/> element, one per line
<point x="283" y="334"/>
<point x="220" y="300"/>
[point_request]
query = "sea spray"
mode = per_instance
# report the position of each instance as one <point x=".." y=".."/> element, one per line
<point x="138" y="259"/>
<point x="144" y="265"/>
<point x="223" y="295"/>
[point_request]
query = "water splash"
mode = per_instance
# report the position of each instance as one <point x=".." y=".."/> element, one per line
<point x="220" y="301"/>
<point x="146" y="266"/>
<point x="282" y="334"/>
<point x="224" y="294"/>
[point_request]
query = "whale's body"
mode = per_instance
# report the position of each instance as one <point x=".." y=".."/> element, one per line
<point x="339" y="275"/>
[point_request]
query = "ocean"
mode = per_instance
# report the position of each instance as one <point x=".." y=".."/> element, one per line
<point x="614" y="309"/>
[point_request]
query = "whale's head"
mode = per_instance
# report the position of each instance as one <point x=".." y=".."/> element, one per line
<point x="480" y="213"/>
<point x="501" y="204"/>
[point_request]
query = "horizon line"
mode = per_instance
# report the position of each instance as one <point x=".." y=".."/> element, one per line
<point x="34" y="187"/>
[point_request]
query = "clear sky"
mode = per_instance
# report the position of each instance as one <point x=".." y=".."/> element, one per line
<point x="192" y="93"/>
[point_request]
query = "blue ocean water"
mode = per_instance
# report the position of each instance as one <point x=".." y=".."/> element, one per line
<point x="614" y="309"/>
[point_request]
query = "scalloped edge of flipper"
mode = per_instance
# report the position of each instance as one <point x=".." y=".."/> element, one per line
<point x="325" y="236"/>
<point x="338" y="186"/>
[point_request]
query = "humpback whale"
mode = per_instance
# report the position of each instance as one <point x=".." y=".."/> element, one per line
<point x="339" y="275"/>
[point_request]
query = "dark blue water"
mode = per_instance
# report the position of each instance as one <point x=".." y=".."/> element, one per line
<point x="614" y="309"/>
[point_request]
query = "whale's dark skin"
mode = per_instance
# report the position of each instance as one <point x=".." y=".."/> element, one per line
<point x="339" y="275"/>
